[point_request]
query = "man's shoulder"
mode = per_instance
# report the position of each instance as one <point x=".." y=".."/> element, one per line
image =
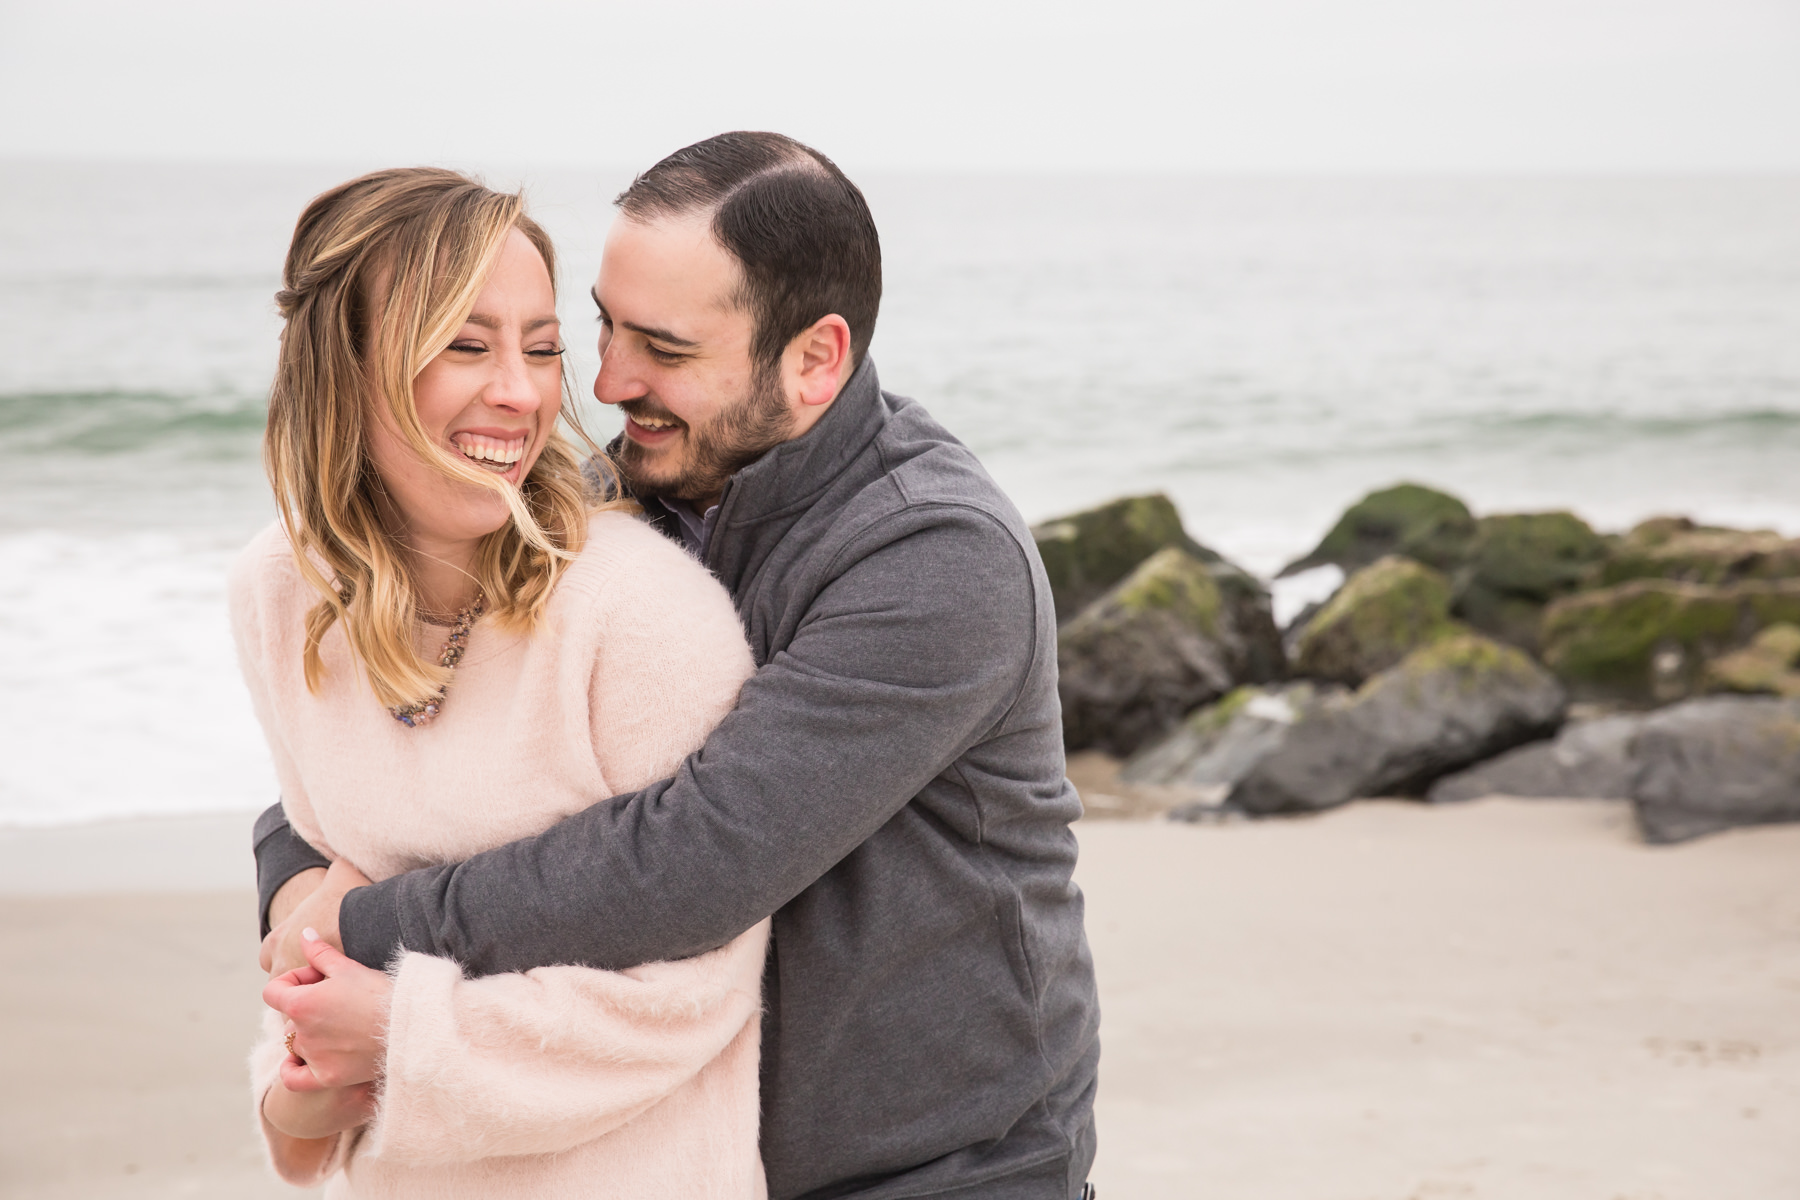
<point x="928" y="475"/>
<point x="928" y="502"/>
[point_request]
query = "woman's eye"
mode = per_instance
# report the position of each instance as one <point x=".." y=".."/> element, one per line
<point x="467" y="347"/>
<point x="546" y="354"/>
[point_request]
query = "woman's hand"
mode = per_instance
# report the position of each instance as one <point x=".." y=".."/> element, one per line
<point x="338" y="1009"/>
<point x="309" y="1116"/>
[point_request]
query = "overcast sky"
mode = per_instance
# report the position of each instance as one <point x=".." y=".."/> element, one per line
<point x="1195" y="85"/>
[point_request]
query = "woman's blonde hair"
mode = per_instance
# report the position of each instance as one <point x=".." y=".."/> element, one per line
<point x="382" y="273"/>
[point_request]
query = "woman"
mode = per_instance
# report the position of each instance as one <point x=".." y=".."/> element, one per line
<point x="449" y="649"/>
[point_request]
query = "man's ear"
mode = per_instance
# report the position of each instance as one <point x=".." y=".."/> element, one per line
<point x="818" y="361"/>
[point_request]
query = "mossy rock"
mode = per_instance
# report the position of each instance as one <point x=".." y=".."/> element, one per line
<point x="1769" y="664"/>
<point x="1515" y="620"/>
<point x="1086" y="553"/>
<point x="1381" y="614"/>
<point x="1445" y="706"/>
<point x="1536" y="556"/>
<point x="1149" y="651"/>
<point x="1647" y="641"/>
<point x="1676" y="548"/>
<point x="1433" y="527"/>
<point x="1471" y="660"/>
<point x="1219" y="744"/>
<point x="1517" y="563"/>
<point x="1171" y="581"/>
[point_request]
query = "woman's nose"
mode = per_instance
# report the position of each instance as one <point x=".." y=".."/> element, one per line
<point x="512" y="389"/>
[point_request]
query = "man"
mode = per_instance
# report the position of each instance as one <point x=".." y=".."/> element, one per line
<point x="891" y="783"/>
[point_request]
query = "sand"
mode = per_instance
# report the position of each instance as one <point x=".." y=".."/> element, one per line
<point x="1388" y="1002"/>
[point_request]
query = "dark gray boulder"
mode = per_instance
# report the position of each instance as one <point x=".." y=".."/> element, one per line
<point x="1588" y="760"/>
<point x="1087" y="553"/>
<point x="1381" y="614"/>
<point x="1716" y="763"/>
<point x="1418" y="522"/>
<point x="1518" y="563"/>
<point x="1649" y="641"/>
<point x="1770" y="663"/>
<point x="1155" y="647"/>
<point x="1676" y="548"/>
<point x="1458" y="701"/>
<point x="1216" y="746"/>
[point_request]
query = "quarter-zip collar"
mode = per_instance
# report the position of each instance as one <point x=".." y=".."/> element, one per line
<point x="761" y="501"/>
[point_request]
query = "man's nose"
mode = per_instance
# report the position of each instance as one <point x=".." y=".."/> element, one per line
<point x="615" y="382"/>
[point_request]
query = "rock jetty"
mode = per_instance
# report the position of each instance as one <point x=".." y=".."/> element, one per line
<point x="1445" y="665"/>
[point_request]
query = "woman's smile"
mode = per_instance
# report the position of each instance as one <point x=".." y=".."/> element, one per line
<point x="494" y="450"/>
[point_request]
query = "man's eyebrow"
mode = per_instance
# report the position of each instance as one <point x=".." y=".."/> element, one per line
<point x="661" y="335"/>
<point x="649" y="331"/>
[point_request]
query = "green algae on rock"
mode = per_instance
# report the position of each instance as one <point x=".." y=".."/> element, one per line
<point x="1457" y="701"/>
<point x="1769" y="664"/>
<point x="1647" y="641"/>
<point x="1381" y="614"/>
<point x="1086" y="553"/>
<point x="1517" y="563"/>
<point x="1433" y="527"/>
<point x="1676" y="548"/>
<point x="1150" y="650"/>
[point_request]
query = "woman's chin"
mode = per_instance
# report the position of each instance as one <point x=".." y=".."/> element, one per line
<point x="462" y="518"/>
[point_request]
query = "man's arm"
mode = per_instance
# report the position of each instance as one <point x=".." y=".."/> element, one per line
<point x="910" y="656"/>
<point x="281" y="854"/>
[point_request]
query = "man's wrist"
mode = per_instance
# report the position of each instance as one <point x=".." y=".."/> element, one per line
<point x="281" y="854"/>
<point x="369" y="924"/>
<point x="289" y="895"/>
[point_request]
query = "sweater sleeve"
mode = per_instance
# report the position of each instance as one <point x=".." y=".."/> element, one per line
<point x="257" y="642"/>
<point x="545" y="1060"/>
<point x="301" y="1163"/>
<point x="917" y="649"/>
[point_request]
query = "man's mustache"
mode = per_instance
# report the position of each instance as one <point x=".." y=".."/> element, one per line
<point x="641" y="410"/>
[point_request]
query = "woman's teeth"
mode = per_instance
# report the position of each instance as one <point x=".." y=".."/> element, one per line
<point x="491" y="454"/>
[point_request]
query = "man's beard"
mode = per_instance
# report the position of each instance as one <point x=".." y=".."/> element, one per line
<point x="741" y="433"/>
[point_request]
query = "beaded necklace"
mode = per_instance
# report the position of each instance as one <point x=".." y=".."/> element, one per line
<point x="420" y="713"/>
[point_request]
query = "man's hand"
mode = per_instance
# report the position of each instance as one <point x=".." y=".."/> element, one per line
<point x="282" y="950"/>
<point x="291" y="893"/>
<point x="338" y="1010"/>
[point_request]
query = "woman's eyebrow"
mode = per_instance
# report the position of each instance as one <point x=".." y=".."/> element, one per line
<point x="494" y="323"/>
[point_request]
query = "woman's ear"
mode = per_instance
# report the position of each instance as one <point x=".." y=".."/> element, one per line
<point x="818" y="361"/>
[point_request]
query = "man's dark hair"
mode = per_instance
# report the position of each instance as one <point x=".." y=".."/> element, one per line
<point x="800" y="230"/>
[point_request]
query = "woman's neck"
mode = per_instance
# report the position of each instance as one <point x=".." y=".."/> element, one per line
<point x="444" y="576"/>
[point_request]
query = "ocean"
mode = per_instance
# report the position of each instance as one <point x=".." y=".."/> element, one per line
<point x="1265" y="350"/>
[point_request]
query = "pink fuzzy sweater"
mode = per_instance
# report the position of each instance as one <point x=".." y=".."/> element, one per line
<point x="560" y="1081"/>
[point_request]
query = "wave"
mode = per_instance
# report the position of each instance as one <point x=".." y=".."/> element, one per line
<point x="1756" y="421"/>
<point x="85" y="423"/>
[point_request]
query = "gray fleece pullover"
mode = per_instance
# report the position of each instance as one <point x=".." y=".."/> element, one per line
<point x="890" y="787"/>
